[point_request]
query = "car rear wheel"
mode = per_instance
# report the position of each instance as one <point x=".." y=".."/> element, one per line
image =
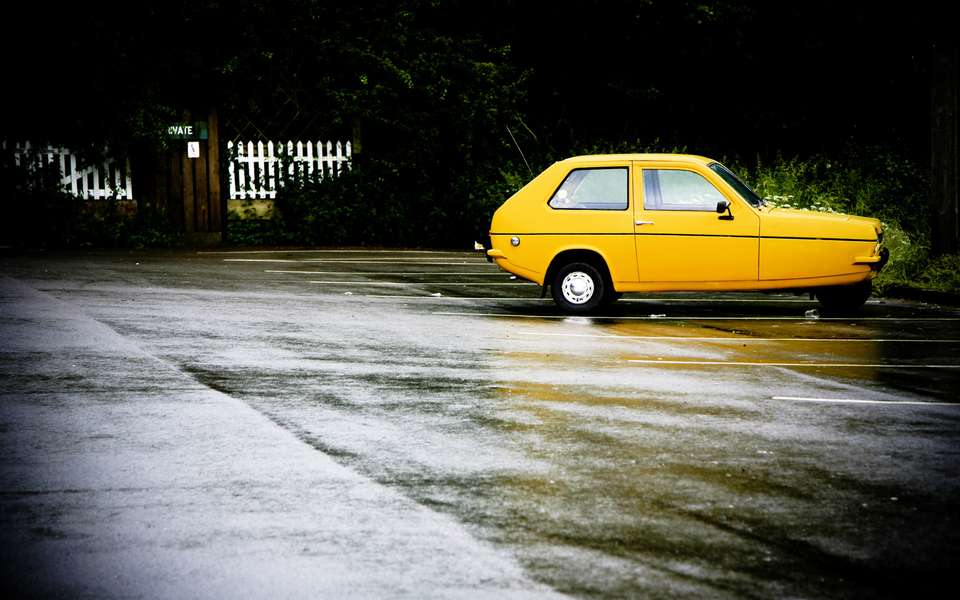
<point x="844" y="298"/>
<point x="578" y="288"/>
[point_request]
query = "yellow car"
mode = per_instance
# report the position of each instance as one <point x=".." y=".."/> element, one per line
<point x="594" y="227"/>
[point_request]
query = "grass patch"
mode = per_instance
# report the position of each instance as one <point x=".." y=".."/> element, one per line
<point x="871" y="182"/>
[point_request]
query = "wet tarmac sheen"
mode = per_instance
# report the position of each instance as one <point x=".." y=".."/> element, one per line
<point x="429" y="427"/>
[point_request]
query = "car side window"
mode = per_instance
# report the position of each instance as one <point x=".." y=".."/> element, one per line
<point x="675" y="189"/>
<point x="592" y="189"/>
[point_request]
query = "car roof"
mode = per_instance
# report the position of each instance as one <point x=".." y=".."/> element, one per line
<point x="677" y="158"/>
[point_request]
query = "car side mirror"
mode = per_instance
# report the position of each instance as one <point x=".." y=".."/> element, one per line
<point x="724" y="207"/>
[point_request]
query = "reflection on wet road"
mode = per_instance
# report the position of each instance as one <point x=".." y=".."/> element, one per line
<point x="684" y="445"/>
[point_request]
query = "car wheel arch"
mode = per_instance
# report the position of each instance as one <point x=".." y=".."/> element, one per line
<point x="565" y="257"/>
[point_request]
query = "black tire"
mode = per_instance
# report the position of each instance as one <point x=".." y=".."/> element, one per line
<point x="578" y="288"/>
<point x="844" y="299"/>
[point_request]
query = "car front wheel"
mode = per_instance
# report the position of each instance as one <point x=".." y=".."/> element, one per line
<point x="845" y="298"/>
<point x="578" y="288"/>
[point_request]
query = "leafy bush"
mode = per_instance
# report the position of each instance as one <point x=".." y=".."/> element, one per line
<point x="871" y="182"/>
<point x="912" y="266"/>
<point x="862" y="181"/>
<point x="941" y="273"/>
<point x="382" y="203"/>
<point x="370" y="205"/>
<point x="152" y="227"/>
<point x="41" y="213"/>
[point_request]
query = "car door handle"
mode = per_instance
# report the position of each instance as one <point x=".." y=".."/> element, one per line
<point x="644" y="222"/>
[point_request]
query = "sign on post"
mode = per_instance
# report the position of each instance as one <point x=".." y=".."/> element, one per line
<point x="193" y="149"/>
<point x="189" y="131"/>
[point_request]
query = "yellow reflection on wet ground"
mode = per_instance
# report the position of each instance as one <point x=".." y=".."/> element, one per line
<point x="850" y="352"/>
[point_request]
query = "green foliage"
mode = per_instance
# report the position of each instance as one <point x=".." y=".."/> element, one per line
<point x="39" y="212"/>
<point x="908" y="257"/>
<point x="63" y="221"/>
<point x="912" y="266"/>
<point x="941" y="273"/>
<point x="247" y="230"/>
<point x="429" y="101"/>
<point x="36" y="209"/>
<point x="871" y="182"/>
<point x="862" y="181"/>
<point x="152" y="227"/>
<point x="381" y="203"/>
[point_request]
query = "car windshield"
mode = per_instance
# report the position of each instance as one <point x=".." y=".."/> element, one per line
<point x="737" y="184"/>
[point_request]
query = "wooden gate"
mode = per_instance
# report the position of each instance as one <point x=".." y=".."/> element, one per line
<point x="186" y="187"/>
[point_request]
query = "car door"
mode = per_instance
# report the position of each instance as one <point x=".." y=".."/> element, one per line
<point x="591" y="210"/>
<point x="681" y="240"/>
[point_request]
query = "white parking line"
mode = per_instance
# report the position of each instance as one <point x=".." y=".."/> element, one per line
<point x="734" y="339"/>
<point x="429" y="297"/>
<point x="388" y="261"/>
<point x="501" y="274"/>
<point x="408" y="262"/>
<point x="682" y="318"/>
<point x="732" y="363"/>
<point x="351" y="261"/>
<point x="857" y="401"/>
<point x="475" y="273"/>
<point x="338" y="251"/>
<point x="732" y="300"/>
<point x="263" y="260"/>
<point x="659" y="300"/>
<point x="412" y="283"/>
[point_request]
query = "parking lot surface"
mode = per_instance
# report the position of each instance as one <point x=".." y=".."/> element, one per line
<point x="363" y="423"/>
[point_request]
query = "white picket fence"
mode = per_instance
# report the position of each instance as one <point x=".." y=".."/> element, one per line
<point x="110" y="179"/>
<point x="258" y="170"/>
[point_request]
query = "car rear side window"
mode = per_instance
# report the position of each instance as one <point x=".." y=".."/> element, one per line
<point x="674" y="189"/>
<point x="592" y="189"/>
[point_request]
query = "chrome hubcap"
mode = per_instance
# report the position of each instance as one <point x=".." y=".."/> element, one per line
<point x="577" y="287"/>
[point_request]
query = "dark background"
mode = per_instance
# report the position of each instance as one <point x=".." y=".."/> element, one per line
<point x="432" y="91"/>
<point x="733" y="77"/>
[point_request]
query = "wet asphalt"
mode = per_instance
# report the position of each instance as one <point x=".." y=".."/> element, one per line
<point x="359" y="423"/>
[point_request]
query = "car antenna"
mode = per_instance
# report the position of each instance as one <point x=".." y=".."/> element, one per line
<point x="518" y="149"/>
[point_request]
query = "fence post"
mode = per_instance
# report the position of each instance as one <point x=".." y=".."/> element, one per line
<point x="291" y="160"/>
<point x="311" y="168"/>
<point x="231" y="170"/>
<point x="261" y="170"/>
<point x="270" y="161"/>
<point x="253" y="179"/>
<point x="329" y="167"/>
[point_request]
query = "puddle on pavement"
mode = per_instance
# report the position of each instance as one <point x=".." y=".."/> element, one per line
<point x="571" y="344"/>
